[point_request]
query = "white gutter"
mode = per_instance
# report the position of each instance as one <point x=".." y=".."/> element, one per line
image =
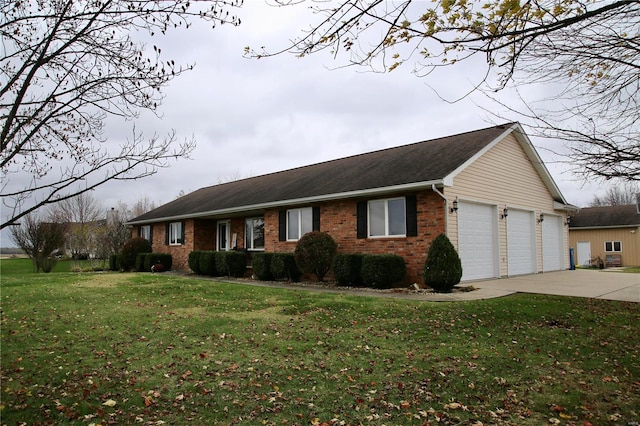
<point x="295" y="201"/>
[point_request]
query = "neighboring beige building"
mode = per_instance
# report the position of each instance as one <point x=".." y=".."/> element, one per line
<point x="610" y="233"/>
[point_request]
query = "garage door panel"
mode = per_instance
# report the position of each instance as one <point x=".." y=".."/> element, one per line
<point x="552" y="251"/>
<point x="521" y="258"/>
<point x="477" y="244"/>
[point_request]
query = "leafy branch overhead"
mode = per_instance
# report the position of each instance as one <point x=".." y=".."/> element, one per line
<point x="66" y="67"/>
<point x="586" y="54"/>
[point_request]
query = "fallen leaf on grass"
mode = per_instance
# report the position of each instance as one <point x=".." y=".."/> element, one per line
<point x="109" y="403"/>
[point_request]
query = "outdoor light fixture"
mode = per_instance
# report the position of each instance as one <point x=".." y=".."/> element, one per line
<point x="568" y="221"/>
<point x="455" y="206"/>
<point x="541" y="218"/>
<point x="505" y="213"/>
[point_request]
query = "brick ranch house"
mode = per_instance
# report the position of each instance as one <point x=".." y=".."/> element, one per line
<point x="488" y="190"/>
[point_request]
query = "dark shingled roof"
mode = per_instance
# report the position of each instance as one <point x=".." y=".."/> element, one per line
<point x="419" y="162"/>
<point x="608" y="216"/>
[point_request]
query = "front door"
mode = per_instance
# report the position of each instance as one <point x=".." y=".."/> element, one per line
<point x="223" y="236"/>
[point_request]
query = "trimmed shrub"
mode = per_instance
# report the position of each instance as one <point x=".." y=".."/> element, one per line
<point x="140" y="260"/>
<point x="114" y="262"/>
<point x="443" y="268"/>
<point x="207" y="263"/>
<point x="314" y="253"/>
<point x="152" y="259"/>
<point x="130" y="252"/>
<point x="261" y="264"/>
<point x="283" y="267"/>
<point x="194" y="261"/>
<point x="346" y="269"/>
<point x="382" y="270"/>
<point x="231" y="263"/>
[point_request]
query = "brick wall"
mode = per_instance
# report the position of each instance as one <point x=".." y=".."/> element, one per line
<point x="339" y="219"/>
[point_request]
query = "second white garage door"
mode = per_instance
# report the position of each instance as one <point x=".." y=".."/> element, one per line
<point x="521" y="258"/>
<point x="477" y="241"/>
<point x="552" y="259"/>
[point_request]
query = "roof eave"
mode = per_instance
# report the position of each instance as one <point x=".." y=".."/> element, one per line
<point x="297" y="201"/>
<point x="586" y="228"/>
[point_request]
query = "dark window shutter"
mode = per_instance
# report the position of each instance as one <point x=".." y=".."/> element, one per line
<point x="151" y="234"/>
<point x="166" y="234"/>
<point x="182" y="232"/>
<point x="316" y="219"/>
<point x="140" y="231"/>
<point x="411" y="208"/>
<point x="282" y="225"/>
<point x="362" y="219"/>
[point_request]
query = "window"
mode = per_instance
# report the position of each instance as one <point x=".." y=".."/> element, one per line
<point x="387" y="218"/>
<point x="613" y="246"/>
<point x="176" y="236"/>
<point x="145" y="232"/>
<point x="223" y="236"/>
<point x="299" y="222"/>
<point x="254" y="234"/>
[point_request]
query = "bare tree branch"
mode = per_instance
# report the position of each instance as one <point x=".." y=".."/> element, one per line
<point x="66" y="67"/>
<point x="586" y="53"/>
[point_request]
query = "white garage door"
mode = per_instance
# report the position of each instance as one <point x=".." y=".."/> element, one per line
<point x="521" y="258"/>
<point x="477" y="236"/>
<point x="552" y="258"/>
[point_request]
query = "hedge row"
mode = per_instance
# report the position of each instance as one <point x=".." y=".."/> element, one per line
<point x="370" y="270"/>
<point x="218" y="263"/>
<point x="275" y="266"/>
<point x="143" y="262"/>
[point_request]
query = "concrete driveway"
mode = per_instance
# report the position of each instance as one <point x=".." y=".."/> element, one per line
<point x="597" y="284"/>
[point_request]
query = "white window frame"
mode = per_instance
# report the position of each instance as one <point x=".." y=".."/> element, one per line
<point x="145" y="232"/>
<point x="249" y="239"/>
<point x="613" y="246"/>
<point x="386" y="218"/>
<point x="227" y="235"/>
<point x="175" y="234"/>
<point x="301" y="230"/>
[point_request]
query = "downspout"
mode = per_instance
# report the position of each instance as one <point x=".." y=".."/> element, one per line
<point x="446" y="208"/>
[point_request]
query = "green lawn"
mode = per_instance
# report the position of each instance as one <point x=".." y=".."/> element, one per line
<point x="114" y="348"/>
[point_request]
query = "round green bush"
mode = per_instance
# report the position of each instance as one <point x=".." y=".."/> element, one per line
<point x="346" y="269"/>
<point x="283" y="267"/>
<point x="164" y="259"/>
<point x="443" y="268"/>
<point x="261" y="265"/>
<point x="194" y="261"/>
<point x="382" y="270"/>
<point x="314" y="253"/>
<point x="207" y="263"/>
<point x="231" y="263"/>
<point x="130" y="252"/>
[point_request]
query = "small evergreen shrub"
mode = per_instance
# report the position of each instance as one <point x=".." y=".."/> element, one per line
<point x="140" y="262"/>
<point x="207" y="263"/>
<point x="283" y="267"/>
<point x="346" y="269"/>
<point x="164" y="259"/>
<point x="231" y="263"/>
<point x="114" y="262"/>
<point x="382" y="270"/>
<point x="194" y="261"/>
<point x="261" y="264"/>
<point x="443" y="268"/>
<point x="314" y="253"/>
<point x="130" y="252"/>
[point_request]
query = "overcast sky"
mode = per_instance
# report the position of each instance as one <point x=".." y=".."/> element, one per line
<point x="252" y="117"/>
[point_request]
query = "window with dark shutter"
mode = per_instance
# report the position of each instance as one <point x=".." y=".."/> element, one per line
<point x="361" y="215"/>
<point x="316" y="219"/>
<point x="412" y="215"/>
